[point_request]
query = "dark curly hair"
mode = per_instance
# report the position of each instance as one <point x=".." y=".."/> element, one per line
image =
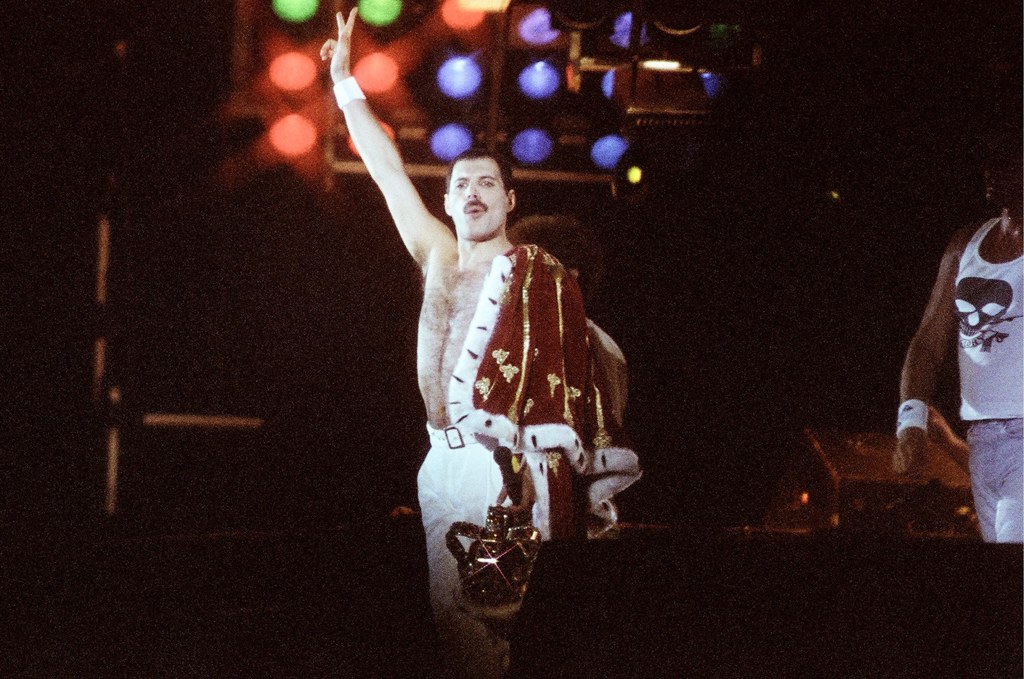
<point x="569" y="240"/>
<point x="504" y="166"/>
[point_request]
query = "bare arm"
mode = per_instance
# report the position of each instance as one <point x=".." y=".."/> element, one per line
<point x="936" y="331"/>
<point x="421" y="232"/>
<point x="940" y="431"/>
<point x="932" y="341"/>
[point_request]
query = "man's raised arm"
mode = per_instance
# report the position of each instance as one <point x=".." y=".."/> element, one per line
<point x="420" y="230"/>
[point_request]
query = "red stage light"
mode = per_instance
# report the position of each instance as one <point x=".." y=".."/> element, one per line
<point x="376" y="73"/>
<point x="292" y="71"/>
<point x="460" y="19"/>
<point x="293" y="135"/>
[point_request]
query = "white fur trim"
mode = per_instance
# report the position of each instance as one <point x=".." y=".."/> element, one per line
<point x="537" y="463"/>
<point x="552" y="435"/>
<point x="614" y="470"/>
<point x="481" y="328"/>
<point x="604" y="518"/>
<point x="484" y="424"/>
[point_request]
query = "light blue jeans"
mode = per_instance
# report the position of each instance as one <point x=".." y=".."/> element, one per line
<point x="997" y="449"/>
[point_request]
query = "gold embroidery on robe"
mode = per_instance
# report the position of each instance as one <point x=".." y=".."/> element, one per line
<point x="513" y="410"/>
<point x="553" y="381"/>
<point x="509" y="371"/>
<point x="483" y="385"/>
<point x="566" y="411"/>
<point x="601" y="438"/>
<point x="499" y="355"/>
<point x="553" y="459"/>
<point x="528" y="407"/>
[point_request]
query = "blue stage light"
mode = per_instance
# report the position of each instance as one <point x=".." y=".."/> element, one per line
<point x="608" y="83"/>
<point x="539" y="80"/>
<point x="607" y="151"/>
<point x="621" y="29"/>
<point x="714" y="84"/>
<point x="535" y="28"/>
<point x="450" y="140"/>
<point x="620" y="34"/>
<point x="532" y="146"/>
<point x="459" y="77"/>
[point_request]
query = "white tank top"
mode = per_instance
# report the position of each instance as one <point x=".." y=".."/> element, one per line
<point x="989" y="305"/>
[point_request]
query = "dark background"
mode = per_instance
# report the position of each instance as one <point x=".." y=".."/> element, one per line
<point x="750" y="304"/>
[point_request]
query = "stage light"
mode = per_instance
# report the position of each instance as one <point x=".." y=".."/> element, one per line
<point x="379" y="13"/>
<point x="669" y="65"/>
<point x="579" y="16"/>
<point x="608" y="150"/>
<point x="620" y="32"/>
<point x="714" y="84"/>
<point x="630" y="180"/>
<point x="679" y="19"/>
<point x="608" y="83"/>
<point x="723" y="36"/>
<point x="535" y="28"/>
<point x="293" y="135"/>
<point x="622" y="29"/>
<point x="292" y="71"/>
<point x="459" y="77"/>
<point x="295" y="11"/>
<point x="539" y="80"/>
<point x="376" y="73"/>
<point x="458" y="18"/>
<point x="450" y="140"/>
<point x="532" y="146"/>
<point x="494" y="6"/>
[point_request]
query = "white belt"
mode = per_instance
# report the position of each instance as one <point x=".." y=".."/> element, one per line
<point x="453" y="437"/>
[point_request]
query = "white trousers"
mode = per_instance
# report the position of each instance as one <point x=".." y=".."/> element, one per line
<point x="459" y="484"/>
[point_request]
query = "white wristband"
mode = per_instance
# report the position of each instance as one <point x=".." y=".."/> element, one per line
<point x="347" y="91"/>
<point x="912" y="413"/>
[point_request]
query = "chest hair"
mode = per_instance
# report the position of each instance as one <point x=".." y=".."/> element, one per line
<point x="449" y="302"/>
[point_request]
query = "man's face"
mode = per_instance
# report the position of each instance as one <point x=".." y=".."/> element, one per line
<point x="1004" y="187"/>
<point x="477" y="200"/>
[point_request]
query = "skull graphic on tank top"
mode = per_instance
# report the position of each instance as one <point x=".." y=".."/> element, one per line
<point x="981" y="305"/>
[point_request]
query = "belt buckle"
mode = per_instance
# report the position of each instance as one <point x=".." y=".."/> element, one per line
<point x="453" y="434"/>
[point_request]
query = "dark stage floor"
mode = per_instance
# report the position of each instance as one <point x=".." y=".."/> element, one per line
<point x="658" y="602"/>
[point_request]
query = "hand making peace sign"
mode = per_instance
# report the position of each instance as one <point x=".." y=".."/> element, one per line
<point x="338" y="51"/>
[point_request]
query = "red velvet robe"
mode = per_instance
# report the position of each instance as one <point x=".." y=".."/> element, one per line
<point x="526" y="379"/>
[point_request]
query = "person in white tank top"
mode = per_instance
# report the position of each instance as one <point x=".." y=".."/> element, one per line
<point x="976" y="305"/>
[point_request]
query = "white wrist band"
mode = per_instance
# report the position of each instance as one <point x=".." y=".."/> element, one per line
<point x="912" y="413"/>
<point x="347" y="91"/>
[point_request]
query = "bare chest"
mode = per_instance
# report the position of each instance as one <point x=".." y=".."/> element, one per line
<point x="449" y="302"/>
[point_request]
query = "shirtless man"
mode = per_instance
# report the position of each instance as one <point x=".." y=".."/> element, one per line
<point x="976" y="305"/>
<point x="502" y="361"/>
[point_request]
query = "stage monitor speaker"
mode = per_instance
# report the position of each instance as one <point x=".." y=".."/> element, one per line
<point x="838" y="480"/>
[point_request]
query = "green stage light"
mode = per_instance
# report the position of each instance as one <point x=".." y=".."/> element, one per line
<point x="295" y="11"/>
<point x="379" y="12"/>
<point x="724" y="36"/>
